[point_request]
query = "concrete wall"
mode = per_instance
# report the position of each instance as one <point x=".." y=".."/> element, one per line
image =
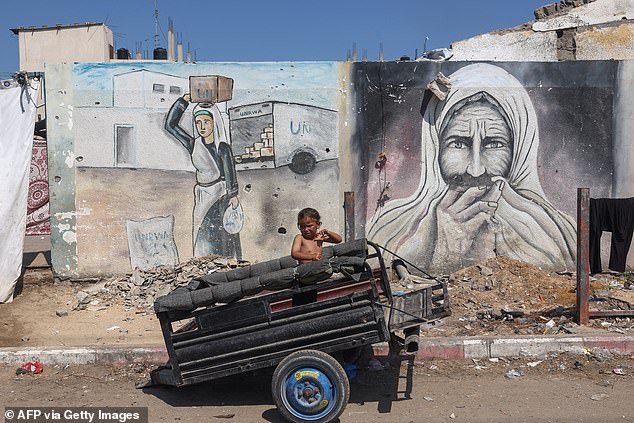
<point x="85" y="43"/>
<point x="445" y="201"/>
<point x="566" y="31"/>
<point x="118" y="166"/>
<point x="411" y="158"/>
<point x="569" y="30"/>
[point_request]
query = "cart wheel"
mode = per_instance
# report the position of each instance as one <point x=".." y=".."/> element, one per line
<point x="310" y="386"/>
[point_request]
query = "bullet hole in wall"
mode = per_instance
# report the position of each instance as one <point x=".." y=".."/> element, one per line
<point x="327" y="150"/>
<point x="247" y="188"/>
<point x="281" y="230"/>
<point x="58" y="179"/>
<point x="276" y="195"/>
<point x="79" y="158"/>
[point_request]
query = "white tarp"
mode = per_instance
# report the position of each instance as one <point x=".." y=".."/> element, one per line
<point x="17" y="121"/>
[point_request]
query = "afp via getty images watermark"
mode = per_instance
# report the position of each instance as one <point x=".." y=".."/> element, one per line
<point x="76" y="414"/>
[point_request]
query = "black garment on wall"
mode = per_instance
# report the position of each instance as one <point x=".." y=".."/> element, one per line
<point x="615" y="215"/>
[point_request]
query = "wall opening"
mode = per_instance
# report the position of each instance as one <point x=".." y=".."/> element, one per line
<point x="124" y="145"/>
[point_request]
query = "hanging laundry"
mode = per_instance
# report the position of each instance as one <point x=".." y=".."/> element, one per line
<point x="614" y="215"/>
<point x="17" y="121"/>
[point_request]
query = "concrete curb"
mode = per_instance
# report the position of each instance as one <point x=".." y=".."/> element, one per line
<point x="84" y="355"/>
<point x="516" y="346"/>
<point x="429" y="349"/>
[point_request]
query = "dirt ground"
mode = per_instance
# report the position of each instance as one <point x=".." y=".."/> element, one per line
<point x="32" y="319"/>
<point x="499" y="296"/>
<point x="560" y="388"/>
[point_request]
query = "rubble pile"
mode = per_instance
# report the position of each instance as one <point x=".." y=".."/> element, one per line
<point x="141" y="287"/>
<point x="505" y="296"/>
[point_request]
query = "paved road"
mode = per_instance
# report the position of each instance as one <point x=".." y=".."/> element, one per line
<point x="555" y="390"/>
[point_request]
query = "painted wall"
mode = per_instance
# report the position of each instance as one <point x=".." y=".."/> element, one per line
<point x="139" y="183"/>
<point x="491" y="169"/>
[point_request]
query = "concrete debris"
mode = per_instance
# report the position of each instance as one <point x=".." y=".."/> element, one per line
<point x="505" y="296"/>
<point x="485" y="271"/>
<point x="440" y="86"/>
<point x="512" y="374"/>
<point x="140" y="288"/>
<point x="599" y="354"/>
<point x="83" y="298"/>
<point x="61" y="313"/>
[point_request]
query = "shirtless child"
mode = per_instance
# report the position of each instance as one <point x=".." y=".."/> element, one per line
<point x="307" y="245"/>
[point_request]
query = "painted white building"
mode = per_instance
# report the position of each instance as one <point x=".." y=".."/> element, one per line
<point x="131" y="132"/>
<point x="146" y="89"/>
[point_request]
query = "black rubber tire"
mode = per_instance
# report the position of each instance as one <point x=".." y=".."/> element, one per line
<point x="327" y="365"/>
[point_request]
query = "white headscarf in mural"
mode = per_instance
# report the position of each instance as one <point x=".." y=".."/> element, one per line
<point x="519" y="221"/>
<point x="220" y="132"/>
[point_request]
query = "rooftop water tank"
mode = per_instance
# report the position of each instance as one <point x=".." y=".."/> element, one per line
<point x="160" y="53"/>
<point x="123" y="54"/>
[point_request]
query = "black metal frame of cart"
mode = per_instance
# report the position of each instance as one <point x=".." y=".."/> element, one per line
<point x="253" y="333"/>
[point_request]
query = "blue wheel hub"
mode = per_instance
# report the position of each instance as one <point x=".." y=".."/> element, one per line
<point x="308" y="393"/>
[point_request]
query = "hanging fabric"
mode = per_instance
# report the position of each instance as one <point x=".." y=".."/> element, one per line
<point x="17" y="121"/>
<point x="615" y="215"/>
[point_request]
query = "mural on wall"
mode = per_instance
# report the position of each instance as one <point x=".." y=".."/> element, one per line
<point x="450" y="162"/>
<point x="151" y="242"/>
<point x="216" y="189"/>
<point x="478" y="192"/>
<point x="274" y="134"/>
<point x="250" y="140"/>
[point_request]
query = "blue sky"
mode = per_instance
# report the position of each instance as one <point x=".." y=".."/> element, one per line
<point x="276" y="30"/>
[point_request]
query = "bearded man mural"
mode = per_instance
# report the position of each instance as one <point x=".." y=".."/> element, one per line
<point x="479" y="194"/>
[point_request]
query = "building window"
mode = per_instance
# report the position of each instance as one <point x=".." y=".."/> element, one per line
<point x="158" y="88"/>
<point x="175" y="90"/>
<point x="124" y="145"/>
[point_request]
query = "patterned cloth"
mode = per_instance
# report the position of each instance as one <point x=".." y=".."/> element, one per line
<point x="38" y="215"/>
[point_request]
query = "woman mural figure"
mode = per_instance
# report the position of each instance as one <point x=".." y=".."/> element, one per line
<point x="479" y="193"/>
<point x="216" y="182"/>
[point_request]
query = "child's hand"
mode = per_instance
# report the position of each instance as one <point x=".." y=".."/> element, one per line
<point x="328" y="236"/>
<point x="317" y="256"/>
<point x="324" y="235"/>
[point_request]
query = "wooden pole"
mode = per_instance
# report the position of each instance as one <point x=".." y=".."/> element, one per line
<point x="348" y="206"/>
<point x="583" y="254"/>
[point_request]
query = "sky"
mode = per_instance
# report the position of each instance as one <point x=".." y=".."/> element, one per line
<point x="275" y="30"/>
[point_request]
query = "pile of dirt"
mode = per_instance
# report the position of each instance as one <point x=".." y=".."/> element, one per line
<point x="506" y="296"/>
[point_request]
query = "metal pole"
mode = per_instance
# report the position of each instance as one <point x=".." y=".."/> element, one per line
<point x="583" y="254"/>
<point x="348" y="207"/>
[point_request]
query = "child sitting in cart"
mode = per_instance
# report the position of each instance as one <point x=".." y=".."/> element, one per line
<point x="307" y="245"/>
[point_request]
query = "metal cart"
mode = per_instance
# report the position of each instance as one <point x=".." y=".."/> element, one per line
<point x="352" y="310"/>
